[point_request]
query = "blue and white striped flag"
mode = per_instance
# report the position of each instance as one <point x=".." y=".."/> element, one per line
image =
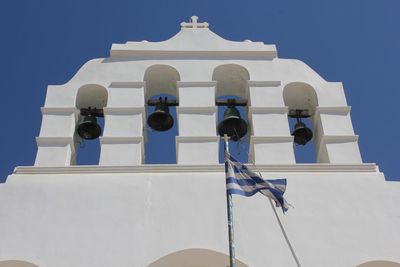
<point x="241" y="181"/>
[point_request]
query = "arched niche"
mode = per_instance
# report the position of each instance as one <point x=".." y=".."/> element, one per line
<point x="231" y="80"/>
<point x="87" y="152"/>
<point x="379" y="263"/>
<point x="298" y="95"/>
<point x="15" y="263"/>
<point x="195" y="258"/>
<point x="161" y="79"/>
<point x="91" y="95"/>
<point x="302" y="96"/>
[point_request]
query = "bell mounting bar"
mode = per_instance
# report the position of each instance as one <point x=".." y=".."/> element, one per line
<point x="231" y="102"/>
<point x="299" y="113"/>
<point x="98" y="112"/>
<point x="154" y="102"/>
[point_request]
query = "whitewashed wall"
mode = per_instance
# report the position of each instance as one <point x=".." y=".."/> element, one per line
<point x="109" y="219"/>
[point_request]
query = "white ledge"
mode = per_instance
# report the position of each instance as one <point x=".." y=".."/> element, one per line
<point x="123" y="110"/>
<point x="264" y="83"/>
<point x="269" y="109"/>
<point x="59" y="110"/>
<point x="339" y="138"/>
<point x="196" y="84"/>
<point x="159" y="168"/>
<point x="207" y="110"/>
<point x="120" y="140"/>
<point x="121" y="54"/>
<point x="270" y="139"/>
<point x="344" y="110"/>
<point x="128" y="84"/>
<point x="54" y="141"/>
<point x="190" y="139"/>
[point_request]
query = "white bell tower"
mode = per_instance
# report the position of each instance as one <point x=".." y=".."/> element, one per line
<point x="124" y="212"/>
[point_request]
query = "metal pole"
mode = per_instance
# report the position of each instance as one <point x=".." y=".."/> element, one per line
<point x="229" y="205"/>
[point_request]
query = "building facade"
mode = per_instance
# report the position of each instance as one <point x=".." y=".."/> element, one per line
<point x="124" y="212"/>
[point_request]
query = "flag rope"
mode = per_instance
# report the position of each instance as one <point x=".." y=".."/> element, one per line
<point x="296" y="259"/>
<point x="284" y="234"/>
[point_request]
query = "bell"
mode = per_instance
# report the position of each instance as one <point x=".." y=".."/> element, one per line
<point x="160" y="120"/>
<point x="88" y="128"/>
<point x="232" y="124"/>
<point x="301" y="133"/>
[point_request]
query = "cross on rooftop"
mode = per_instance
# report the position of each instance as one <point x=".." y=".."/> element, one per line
<point x="194" y="24"/>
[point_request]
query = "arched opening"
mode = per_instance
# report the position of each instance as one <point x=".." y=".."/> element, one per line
<point x="14" y="263"/>
<point x="231" y="80"/>
<point x="301" y="97"/>
<point x="379" y="264"/>
<point x="232" y="83"/>
<point x="89" y="97"/>
<point x="161" y="81"/>
<point x="195" y="258"/>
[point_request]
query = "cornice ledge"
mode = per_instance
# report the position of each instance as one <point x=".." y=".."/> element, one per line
<point x="190" y="139"/>
<point x="196" y="84"/>
<point x="50" y="140"/>
<point x="338" y="138"/>
<point x="264" y="83"/>
<point x="344" y="110"/>
<point x="58" y="110"/>
<point x="183" y="109"/>
<point x="159" y="168"/>
<point x="127" y="84"/>
<point x="269" y="109"/>
<point x="120" y="140"/>
<point x="123" y="110"/>
<point x="220" y="54"/>
<point x="271" y="139"/>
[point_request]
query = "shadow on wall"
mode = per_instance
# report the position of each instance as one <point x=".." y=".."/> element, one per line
<point x="380" y="264"/>
<point x="16" y="264"/>
<point x="195" y="258"/>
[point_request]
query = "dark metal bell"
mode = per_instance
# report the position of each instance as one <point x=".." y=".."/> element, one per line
<point x="232" y="124"/>
<point x="301" y="133"/>
<point x="89" y="128"/>
<point x="160" y="120"/>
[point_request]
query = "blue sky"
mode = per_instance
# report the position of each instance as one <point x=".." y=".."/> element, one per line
<point x="356" y="42"/>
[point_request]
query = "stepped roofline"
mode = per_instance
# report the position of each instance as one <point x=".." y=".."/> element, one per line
<point x="195" y="39"/>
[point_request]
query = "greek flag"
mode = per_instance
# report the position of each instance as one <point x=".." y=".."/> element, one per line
<point x="241" y="181"/>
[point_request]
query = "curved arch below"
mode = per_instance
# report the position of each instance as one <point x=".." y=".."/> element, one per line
<point x="161" y="79"/>
<point x="91" y="95"/>
<point x="231" y="80"/>
<point x="195" y="258"/>
<point x="298" y="95"/>
<point x="379" y="264"/>
<point x="14" y="263"/>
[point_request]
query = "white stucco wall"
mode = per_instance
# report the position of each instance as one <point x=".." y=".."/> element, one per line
<point x="133" y="219"/>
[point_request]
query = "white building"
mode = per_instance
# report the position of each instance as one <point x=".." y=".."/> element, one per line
<point x="123" y="212"/>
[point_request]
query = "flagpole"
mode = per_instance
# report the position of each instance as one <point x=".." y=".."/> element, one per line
<point x="229" y="204"/>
